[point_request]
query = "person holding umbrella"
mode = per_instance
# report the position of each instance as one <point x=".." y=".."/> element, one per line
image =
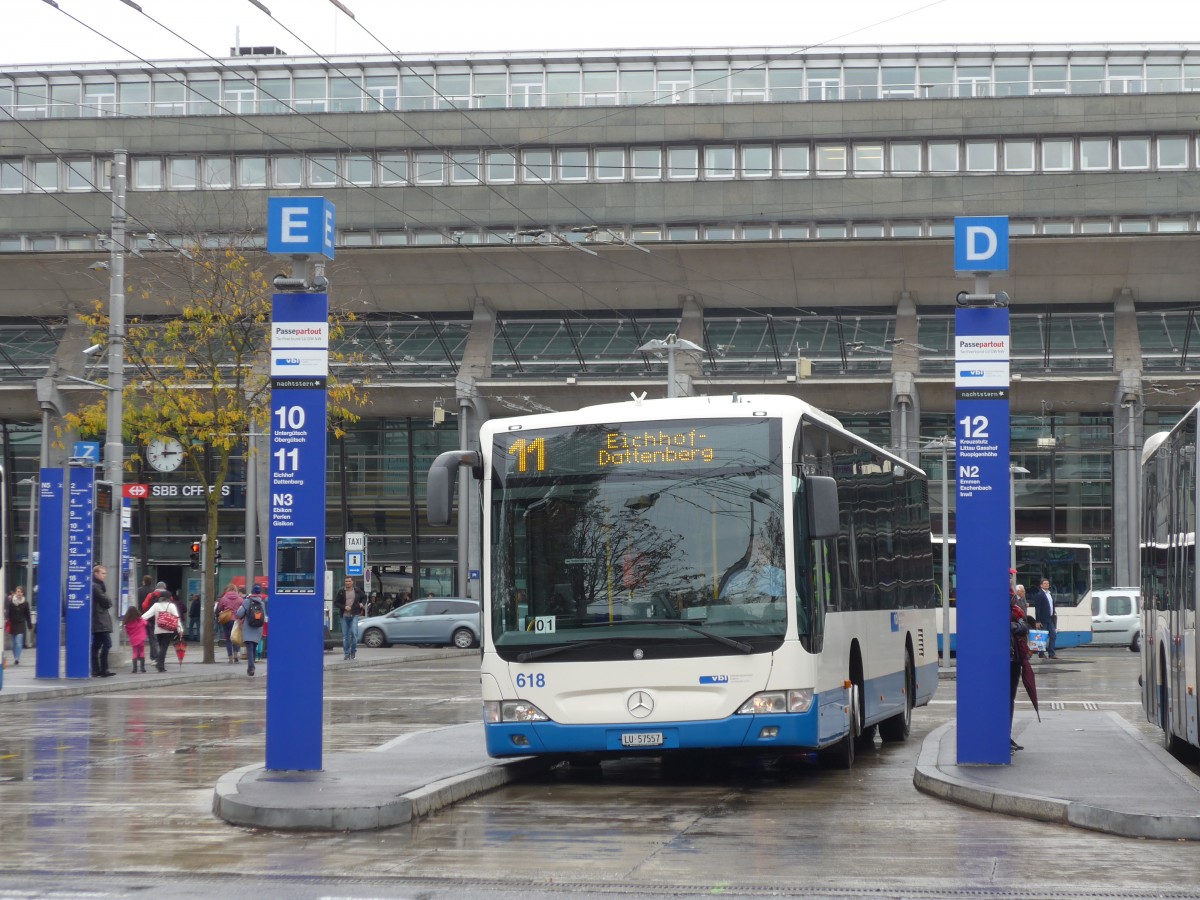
<point x="1019" y="667"/>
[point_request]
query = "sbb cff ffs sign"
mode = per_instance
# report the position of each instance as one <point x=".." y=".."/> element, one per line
<point x="135" y="491"/>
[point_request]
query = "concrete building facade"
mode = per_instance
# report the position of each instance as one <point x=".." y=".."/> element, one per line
<point x="512" y="229"/>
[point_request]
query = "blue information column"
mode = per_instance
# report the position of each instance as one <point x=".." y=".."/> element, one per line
<point x="296" y="532"/>
<point x="81" y="507"/>
<point x="49" y="573"/>
<point x="981" y="412"/>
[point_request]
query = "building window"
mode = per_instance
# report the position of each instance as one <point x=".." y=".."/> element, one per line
<point x="170" y="98"/>
<point x="906" y="159"/>
<point x="1172" y="152"/>
<point x="1134" y="226"/>
<point x="252" y="171"/>
<point x="1095" y="154"/>
<point x="794" y="160"/>
<point x="943" y="156"/>
<point x="1057" y="156"/>
<point x="831" y="159"/>
<point x="572" y="165"/>
<point x="610" y="164"/>
<point x="683" y="163"/>
<point x="793" y="232"/>
<point x="718" y="232"/>
<point x="100" y="99"/>
<point x="683" y="233"/>
<point x="718" y="163"/>
<point x="356" y="239"/>
<point x="393" y="168"/>
<point x="1095" y="226"/>
<point x="287" y="170"/>
<point x="464" y="167"/>
<point x="537" y="166"/>
<point x="147" y="174"/>
<point x="80" y="175"/>
<point x="1018" y="156"/>
<point x="868" y="159"/>
<point x="358" y="168"/>
<point x="981" y="156"/>
<point x="1172" y="225"/>
<point x="322" y="171"/>
<point x="756" y="162"/>
<point x="647" y="163"/>
<point x="906" y="229"/>
<point x="868" y="231"/>
<point x="218" y="172"/>
<point x="1133" y="153"/>
<point x="1060" y="227"/>
<point x="429" y="167"/>
<point x="501" y="168"/>
<point x="181" y="173"/>
<point x="646" y="233"/>
<point x="757" y="232"/>
<point x="831" y="232"/>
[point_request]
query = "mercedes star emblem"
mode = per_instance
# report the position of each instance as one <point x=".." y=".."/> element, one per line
<point x="640" y="704"/>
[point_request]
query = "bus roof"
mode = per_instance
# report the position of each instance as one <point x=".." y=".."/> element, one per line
<point x="641" y="409"/>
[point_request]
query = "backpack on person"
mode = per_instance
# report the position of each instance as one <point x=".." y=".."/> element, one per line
<point x="255" y="614"/>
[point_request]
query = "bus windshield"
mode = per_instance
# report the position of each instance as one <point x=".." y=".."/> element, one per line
<point x="654" y="530"/>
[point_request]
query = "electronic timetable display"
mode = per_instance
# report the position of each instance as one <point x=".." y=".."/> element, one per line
<point x="642" y="447"/>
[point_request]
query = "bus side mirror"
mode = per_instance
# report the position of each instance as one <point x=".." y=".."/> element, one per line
<point x="823" y="517"/>
<point x="439" y="494"/>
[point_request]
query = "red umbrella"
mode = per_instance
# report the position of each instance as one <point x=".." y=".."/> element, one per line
<point x="1027" y="677"/>
<point x="181" y="649"/>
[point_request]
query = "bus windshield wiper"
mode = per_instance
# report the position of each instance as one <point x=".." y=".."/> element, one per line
<point x="530" y="655"/>
<point x="704" y="632"/>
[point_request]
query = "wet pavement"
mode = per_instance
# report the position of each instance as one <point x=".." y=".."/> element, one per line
<point x="113" y="789"/>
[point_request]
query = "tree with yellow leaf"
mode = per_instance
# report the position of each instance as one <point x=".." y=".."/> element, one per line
<point x="198" y="371"/>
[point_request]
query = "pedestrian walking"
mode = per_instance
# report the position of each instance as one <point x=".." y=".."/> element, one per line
<point x="165" y="616"/>
<point x="17" y="620"/>
<point x="135" y="630"/>
<point x="1047" y="618"/>
<point x="194" y="618"/>
<point x="145" y="590"/>
<point x="253" y="616"/>
<point x="229" y="604"/>
<point x="102" y="624"/>
<point x="350" y="604"/>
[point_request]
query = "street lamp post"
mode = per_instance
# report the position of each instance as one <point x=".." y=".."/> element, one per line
<point x="1013" y="471"/>
<point x="669" y="346"/>
<point x="944" y="444"/>
<point x="114" y="443"/>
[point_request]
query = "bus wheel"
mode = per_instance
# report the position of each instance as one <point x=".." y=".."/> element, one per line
<point x="896" y="728"/>
<point x="841" y="754"/>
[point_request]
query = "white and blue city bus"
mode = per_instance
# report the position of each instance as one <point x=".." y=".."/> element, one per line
<point x="1170" y="662"/>
<point x="1068" y="567"/>
<point x="698" y="574"/>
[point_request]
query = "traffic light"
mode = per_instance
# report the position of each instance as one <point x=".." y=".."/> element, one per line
<point x="195" y="554"/>
<point x="217" y="552"/>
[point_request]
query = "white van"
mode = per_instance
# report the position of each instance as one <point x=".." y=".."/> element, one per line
<point x="1116" y="617"/>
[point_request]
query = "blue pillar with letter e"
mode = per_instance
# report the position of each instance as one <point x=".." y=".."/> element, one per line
<point x="299" y="226"/>
<point x="981" y="413"/>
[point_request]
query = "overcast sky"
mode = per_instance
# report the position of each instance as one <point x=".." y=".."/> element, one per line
<point x="37" y="33"/>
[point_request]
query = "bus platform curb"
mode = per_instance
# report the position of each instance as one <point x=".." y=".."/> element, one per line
<point x="1088" y="769"/>
<point x="404" y="779"/>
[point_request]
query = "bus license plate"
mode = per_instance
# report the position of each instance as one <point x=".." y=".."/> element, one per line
<point x="642" y="739"/>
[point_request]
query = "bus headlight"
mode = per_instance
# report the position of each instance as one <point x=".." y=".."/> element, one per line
<point x="512" y="711"/>
<point x="778" y="702"/>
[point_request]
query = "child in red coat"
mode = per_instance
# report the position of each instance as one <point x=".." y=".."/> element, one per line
<point x="135" y="627"/>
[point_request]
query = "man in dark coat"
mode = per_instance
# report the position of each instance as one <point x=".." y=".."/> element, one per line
<point x="1043" y="605"/>
<point x="102" y="625"/>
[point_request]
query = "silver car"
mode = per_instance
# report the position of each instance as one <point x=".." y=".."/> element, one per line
<point x="434" y="620"/>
